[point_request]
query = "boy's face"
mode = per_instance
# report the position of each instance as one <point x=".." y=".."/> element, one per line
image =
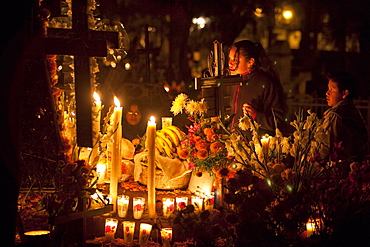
<point x="333" y="95"/>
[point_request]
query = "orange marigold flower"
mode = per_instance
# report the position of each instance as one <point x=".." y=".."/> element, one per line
<point x="201" y="144"/>
<point x="184" y="154"/>
<point x="208" y="131"/>
<point x="212" y="138"/>
<point x="217" y="147"/>
<point x="202" y="154"/>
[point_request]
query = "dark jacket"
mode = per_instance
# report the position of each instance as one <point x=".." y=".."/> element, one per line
<point x="266" y="96"/>
<point x="345" y="124"/>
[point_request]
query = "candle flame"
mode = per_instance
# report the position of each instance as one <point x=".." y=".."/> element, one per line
<point x="152" y="119"/>
<point x="116" y="102"/>
<point x="96" y="97"/>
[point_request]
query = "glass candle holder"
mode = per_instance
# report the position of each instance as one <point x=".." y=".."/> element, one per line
<point x="144" y="234"/>
<point x="166" y="121"/>
<point x="100" y="170"/>
<point x="197" y="201"/>
<point x="168" y="206"/>
<point x="110" y="228"/>
<point x="166" y="235"/>
<point x="138" y="204"/>
<point x="122" y="205"/>
<point x="128" y="231"/>
<point x="181" y="202"/>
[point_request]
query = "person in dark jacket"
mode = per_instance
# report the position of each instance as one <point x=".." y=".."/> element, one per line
<point x="260" y="94"/>
<point x="347" y="131"/>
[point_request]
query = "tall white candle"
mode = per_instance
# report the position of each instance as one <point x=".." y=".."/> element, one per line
<point x="100" y="170"/>
<point x="96" y="125"/>
<point x="151" y="135"/>
<point x="116" y="153"/>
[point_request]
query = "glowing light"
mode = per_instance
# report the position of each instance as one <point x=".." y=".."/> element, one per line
<point x="258" y="12"/>
<point x="116" y="102"/>
<point x="127" y="66"/>
<point x="288" y="14"/>
<point x="201" y="22"/>
<point x="166" y="88"/>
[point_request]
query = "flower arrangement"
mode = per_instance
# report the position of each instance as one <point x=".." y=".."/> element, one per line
<point x="280" y="185"/>
<point x="204" y="144"/>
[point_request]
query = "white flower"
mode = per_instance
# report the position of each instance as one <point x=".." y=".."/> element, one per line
<point x="179" y="104"/>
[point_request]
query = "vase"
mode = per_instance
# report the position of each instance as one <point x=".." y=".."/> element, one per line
<point x="201" y="185"/>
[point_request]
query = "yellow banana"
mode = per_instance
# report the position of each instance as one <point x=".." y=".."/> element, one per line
<point x="173" y="133"/>
<point x="164" y="145"/>
<point x="180" y="134"/>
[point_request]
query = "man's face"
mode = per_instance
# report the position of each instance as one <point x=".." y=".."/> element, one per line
<point x="133" y="115"/>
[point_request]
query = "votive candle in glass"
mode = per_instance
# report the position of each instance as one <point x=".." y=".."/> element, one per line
<point x="209" y="202"/>
<point x="181" y="202"/>
<point x="122" y="205"/>
<point x="128" y="231"/>
<point x="168" y="206"/>
<point x="166" y="121"/>
<point x="138" y="204"/>
<point x="197" y="201"/>
<point x="144" y="234"/>
<point x="166" y="235"/>
<point x="110" y="228"/>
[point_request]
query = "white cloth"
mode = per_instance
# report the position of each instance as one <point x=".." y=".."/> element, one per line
<point x="171" y="168"/>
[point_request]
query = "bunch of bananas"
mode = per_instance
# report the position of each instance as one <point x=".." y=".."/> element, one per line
<point x="168" y="141"/>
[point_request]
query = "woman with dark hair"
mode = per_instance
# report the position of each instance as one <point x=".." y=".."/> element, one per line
<point x="260" y="94"/>
<point x="345" y="124"/>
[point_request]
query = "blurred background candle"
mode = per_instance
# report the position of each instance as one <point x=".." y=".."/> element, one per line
<point x="312" y="226"/>
<point x="168" y="206"/>
<point x="151" y="135"/>
<point x="197" y="201"/>
<point x="128" y="231"/>
<point x="138" y="207"/>
<point x="166" y="234"/>
<point x="116" y="152"/>
<point x="181" y="202"/>
<point x="110" y="228"/>
<point x="122" y="205"/>
<point x="100" y="170"/>
<point x="144" y="235"/>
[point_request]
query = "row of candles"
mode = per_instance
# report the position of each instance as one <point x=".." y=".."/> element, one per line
<point x="129" y="232"/>
<point x="138" y="205"/>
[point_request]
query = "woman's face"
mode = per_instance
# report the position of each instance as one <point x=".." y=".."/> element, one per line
<point x="234" y="59"/>
<point x="334" y="95"/>
<point x="133" y="115"/>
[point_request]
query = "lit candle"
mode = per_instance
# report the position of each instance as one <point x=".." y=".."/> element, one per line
<point x="110" y="228"/>
<point x="166" y="235"/>
<point x="96" y="125"/>
<point x="100" y="170"/>
<point x="145" y="230"/>
<point x="116" y="153"/>
<point x="166" y="121"/>
<point x="265" y="141"/>
<point x="151" y="135"/>
<point x="181" y="202"/>
<point x="209" y="203"/>
<point x="312" y="226"/>
<point x="168" y="206"/>
<point x="197" y="201"/>
<point x="138" y="207"/>
<point x="122" y="205"/>
<point x="128" y="231"/>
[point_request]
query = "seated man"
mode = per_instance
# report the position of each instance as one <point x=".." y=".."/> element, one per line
<point x="132" y="125"/>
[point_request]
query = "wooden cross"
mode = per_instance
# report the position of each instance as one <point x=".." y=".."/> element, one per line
<point x="83" y="43"/>
<point x="147" y="51"/>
